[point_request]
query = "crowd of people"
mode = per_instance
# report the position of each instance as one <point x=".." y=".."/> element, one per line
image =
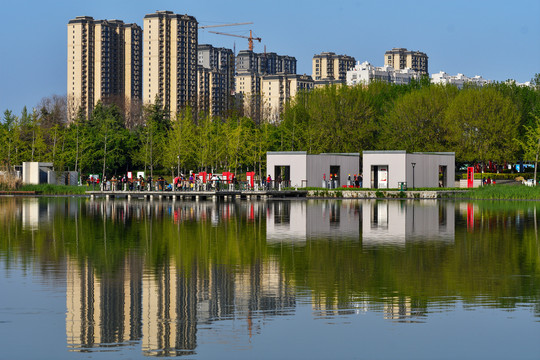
<point x="179" y="183"/>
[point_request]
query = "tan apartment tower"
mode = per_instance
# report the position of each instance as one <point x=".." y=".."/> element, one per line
<point x="278" y="89"/>
<point x="331" y="68"/>
<point x="215" y="80"/>
<point x="170" y="60"/>
<point x="103" y="63"/>
<point x="400" y="58"/>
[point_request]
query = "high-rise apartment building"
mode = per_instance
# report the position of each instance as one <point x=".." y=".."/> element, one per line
<point x="215" y="80"/>
<point x="329" y="68"/>
<point x="278" y="89"/>
<point x="103" y="63"/>
<point x="265" y="63"/>
<point x="248" y="94"/>
<point x="252" y="70"/>
<point x="400" y="58"/>
<point x="213" y="96"/>
<point x="170" y="60"/>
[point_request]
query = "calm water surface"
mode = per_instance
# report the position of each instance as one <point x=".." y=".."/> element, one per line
<point x="96" y="279"/>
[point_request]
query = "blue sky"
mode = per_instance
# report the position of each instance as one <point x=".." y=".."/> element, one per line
<point x="498" y="40"/>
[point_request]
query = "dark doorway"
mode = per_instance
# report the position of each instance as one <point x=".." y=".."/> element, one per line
<point x="334" y="174"/>
<point x="374" y="177"/>
<point x="282" y="172"/>
<point x="443" y="176"/>
<point x="43" y="177"/>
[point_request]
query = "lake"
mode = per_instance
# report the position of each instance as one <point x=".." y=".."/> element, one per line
<point x="288" y="279"/>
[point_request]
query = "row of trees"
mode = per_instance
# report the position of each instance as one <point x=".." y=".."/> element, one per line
<point x="496" y="122"/>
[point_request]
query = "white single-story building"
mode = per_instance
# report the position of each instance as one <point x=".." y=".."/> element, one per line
<point x="303" y="170"/>
<point x="42" y="173"/>
<point x="388" y="169"/>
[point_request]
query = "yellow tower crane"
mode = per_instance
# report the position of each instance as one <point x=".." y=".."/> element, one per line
<point x="250" y="37"/>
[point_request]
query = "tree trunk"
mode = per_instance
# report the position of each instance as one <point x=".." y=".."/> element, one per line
<point x="104" y="157"/>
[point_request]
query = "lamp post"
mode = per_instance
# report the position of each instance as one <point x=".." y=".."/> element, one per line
<point x="178" y="157"/>
<point x="413" y="165"/>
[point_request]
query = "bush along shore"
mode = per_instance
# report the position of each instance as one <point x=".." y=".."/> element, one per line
<point x="45" y="189"/>
<point x="481" y="193"/>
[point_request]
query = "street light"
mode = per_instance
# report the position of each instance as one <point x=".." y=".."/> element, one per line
<point x="413" y="165"/>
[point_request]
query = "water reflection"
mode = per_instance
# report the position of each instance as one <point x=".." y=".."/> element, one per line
<point x="154" y="273"/>
<point x="398" y="222"/>
<point x="298" y="221"/>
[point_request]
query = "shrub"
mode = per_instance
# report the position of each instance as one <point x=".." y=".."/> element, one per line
<point x="9" y="182"/>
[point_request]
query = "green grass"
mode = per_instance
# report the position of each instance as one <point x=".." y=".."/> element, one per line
<point x="363" y="189"/>
<point x="518" y="192"/>
<point x="47" y="189"/>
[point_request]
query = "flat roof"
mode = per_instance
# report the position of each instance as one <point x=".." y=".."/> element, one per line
<point x="305" y="153"/>
<point x="340" y="154"/>
<point x="405" y="152"/>
<point x="286" y="153"/>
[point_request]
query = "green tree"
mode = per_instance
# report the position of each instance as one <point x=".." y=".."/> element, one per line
<point x="531" y="143"/>
<point x="416" y="122"/>
<point x="180" y="149"/>
<point x="482" y="125"/>
<point x="153" y="135"/>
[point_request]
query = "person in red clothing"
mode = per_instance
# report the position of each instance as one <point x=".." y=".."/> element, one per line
<point x="269" y="181"/>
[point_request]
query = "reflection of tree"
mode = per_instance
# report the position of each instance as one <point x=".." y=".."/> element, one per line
<point x="185" y="263"/>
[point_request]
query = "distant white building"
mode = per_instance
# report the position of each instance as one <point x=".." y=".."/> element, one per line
<point x="364" y="73"/>
<point x="459" y="80"/>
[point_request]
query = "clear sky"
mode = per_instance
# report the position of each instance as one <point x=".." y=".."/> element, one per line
<point x="498" y="40"/>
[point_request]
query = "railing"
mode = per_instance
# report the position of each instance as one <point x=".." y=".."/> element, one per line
<point x="187" y="185"/>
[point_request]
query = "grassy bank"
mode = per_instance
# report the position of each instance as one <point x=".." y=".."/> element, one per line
<point x="47" y="189"/>
<point x="503" y="192"/>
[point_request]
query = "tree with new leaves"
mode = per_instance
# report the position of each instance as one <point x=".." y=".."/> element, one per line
<point x="417" y="121"/>
<point x="180" y="149"/>
<point x="153" y="136"/>
<point x="482" y="124"/>
<point x="113" y="136"/>
<point x="531" y="143"/>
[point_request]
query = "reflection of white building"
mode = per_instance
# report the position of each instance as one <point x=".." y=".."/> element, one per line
<point x="397" y="222"/>
<point x="298" y="221"/>
<point x="286" y="220"/>
<point x="35" y="212"/>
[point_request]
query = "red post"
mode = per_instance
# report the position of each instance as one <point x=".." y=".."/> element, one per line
<point x="470" y="177"/>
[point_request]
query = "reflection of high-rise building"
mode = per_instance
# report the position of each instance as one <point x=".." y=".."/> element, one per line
<point x="169" y="311"/>
<point x="397" y="222"/>
<point x="102" y="309"/>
